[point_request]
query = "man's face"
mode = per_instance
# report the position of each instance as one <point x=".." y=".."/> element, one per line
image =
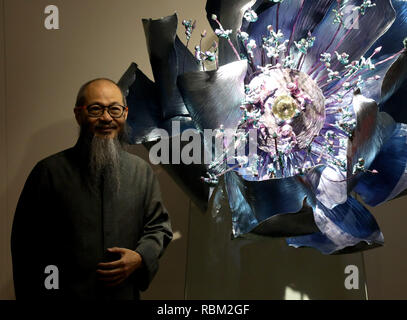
<point x="101" y="93"/>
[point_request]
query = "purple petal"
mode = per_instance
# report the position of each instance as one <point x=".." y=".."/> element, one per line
<point x="394" y="90"/>
<point x="277" y="207"/>
<point x="229" y="13"/>
<point x="355" y="38"/>
<point x="331" y="189"/>
<point x="392" y="40"/>
<point x="343" y="228"/>
<point x="391" y="166"/>
<point x="213" y="98"/>
<point x="371" y="130"/>
<point x="295" y="18"/>
<point x="372" y="80"/>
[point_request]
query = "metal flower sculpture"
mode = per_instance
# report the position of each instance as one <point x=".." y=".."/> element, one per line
<point x="322" y="84"/>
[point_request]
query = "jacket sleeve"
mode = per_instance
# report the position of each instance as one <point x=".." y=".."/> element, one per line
<point x="27" y="246"/>
<point x="157" y="232"/>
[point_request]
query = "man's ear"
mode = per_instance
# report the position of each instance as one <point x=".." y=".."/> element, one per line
<point x="78" y="115"/>
<point x="126" y="112"/>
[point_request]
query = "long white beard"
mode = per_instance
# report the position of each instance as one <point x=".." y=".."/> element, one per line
<point x="105" y="161"/>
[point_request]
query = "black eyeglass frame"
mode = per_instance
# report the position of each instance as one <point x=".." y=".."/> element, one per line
<point x="103" y="109"/>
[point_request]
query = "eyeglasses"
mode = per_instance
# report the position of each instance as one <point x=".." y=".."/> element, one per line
<point x="97" y="110"/>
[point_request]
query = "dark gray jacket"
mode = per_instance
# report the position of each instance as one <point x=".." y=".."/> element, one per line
<point x="62" y="221"/>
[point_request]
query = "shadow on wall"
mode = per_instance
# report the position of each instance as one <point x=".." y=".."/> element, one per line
<point x="170" y="280"/>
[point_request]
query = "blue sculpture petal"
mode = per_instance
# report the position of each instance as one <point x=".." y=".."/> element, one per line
<point x="331" y="188"/>
<point x="169" y="58"/>
<point x="345" y="226"/>
<point x="394" y="90"/>
<point x="295" y="19"/>
<point x="278" y="207"/>
<point x="372" y="129"/>
<point x="354" y="41"/>
<point x="141" y="96"/>
<point x="322" y="243"/>
<point x="213" y="98"/>
<point x="267" y="13"/>
<point x="243" y="218"/>
<point x="395" y="77"/>
<point x="391" y="43"/>
<point x="373" y="80"/>
<point x="145" y="120"/>
<point x="392" y="40"/>
<point x="315" y="240"/>
<point x="229" y="13"/>
<point x="287" y="224"/>
<point x="187" y="176"/>
<point x="391" y="164"/>
<point x="373" y="88"/>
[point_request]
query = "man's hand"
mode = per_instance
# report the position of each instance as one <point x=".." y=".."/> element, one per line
<point x="115" y="272"/>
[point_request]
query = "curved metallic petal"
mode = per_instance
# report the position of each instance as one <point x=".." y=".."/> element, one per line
<point x="346" y="222"/>
<point x="320" y="242"/>
<point x="401" y="194"/>
<point x="392" y="40"/>
<point x="332" y="187"/>
<point x="316" y="240"/>
<point x="177" y="125"/>
<point x="267" y="12"/>
<point x="243" y="218"/>
<point x="187" y="176"/>
<point x="229" y="13"/>
<point x="394" y="91"/>
<point x="372" y="88"/>
<point x="144" y="114"/>
<point x="363" y="144"/>
<point x="213" y="98"/>
<point x="372" y="129"/>
<point x="295" y="19"/>
<point x="277" y="207"/>
<point x="391" y="164"/>
<point x="288" y="224"/>
<point x="169" y="58"/>
<point x="345" y="226"/>
<point x="355" y="37"/>
<point x="394" y="78"/>
<point x="372" y="81"/>
<point x="312" y="14"/>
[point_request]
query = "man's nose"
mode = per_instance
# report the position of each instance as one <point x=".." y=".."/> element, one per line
<point x="106" y="117"/>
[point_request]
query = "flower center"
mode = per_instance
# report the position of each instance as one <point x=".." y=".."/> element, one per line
<point x="284" y="107"/>
<point x="288" y="109"/>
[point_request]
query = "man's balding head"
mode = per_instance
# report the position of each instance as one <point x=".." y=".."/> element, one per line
<point x="81" y="96"/>
<point x="102" y="93"/>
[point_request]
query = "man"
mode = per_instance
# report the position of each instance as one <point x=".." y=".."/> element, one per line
<point x="90" y="223"/>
